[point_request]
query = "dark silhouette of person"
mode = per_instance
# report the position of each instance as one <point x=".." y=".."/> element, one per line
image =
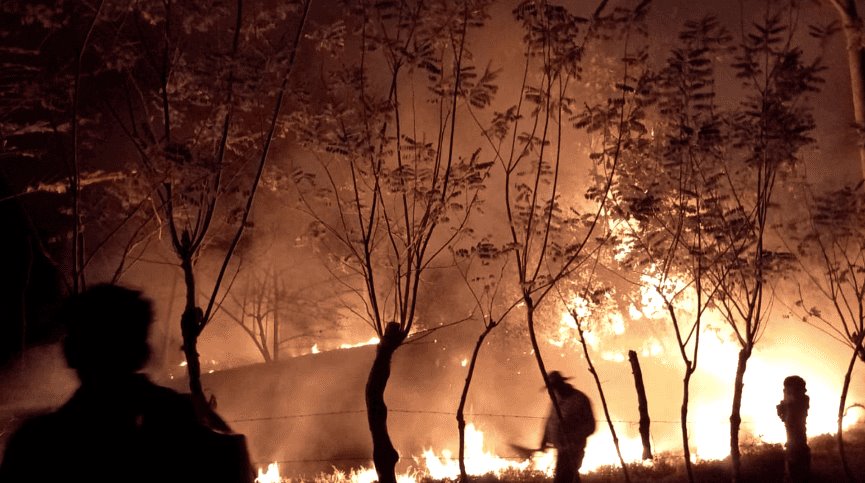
<point x="118" y="425"/>
<point x="568" y="434"/>
<point x="793" y="411"/>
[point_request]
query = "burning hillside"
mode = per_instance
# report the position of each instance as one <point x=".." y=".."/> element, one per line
<point x="291" y="410"/>
<point x="414" y="211"/>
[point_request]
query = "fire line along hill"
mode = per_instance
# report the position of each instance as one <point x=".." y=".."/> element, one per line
<point x="308" y="412"/>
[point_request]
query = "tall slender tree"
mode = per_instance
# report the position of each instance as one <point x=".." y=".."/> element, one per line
<point x="667" y="192"/>
<point x="388" y="196"/>
<point x="854" y="31"/>
<point x="482" y="268"/>
<point x="547" y="235"/>
<point x="768" y="129"/>
<point x="185" y="96"/>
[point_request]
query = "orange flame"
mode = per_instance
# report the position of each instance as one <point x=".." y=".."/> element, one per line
<point x="269" y="476"/>
<point x="359" y="475"/>
<point x="711" y="386"/>
<point x="480" y="462"/>
<point x="371" y="341"/>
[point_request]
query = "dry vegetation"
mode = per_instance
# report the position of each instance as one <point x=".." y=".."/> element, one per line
<point x="762" y="463"/>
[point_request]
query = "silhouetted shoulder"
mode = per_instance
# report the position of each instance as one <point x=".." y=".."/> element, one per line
<point x="36" y="436"/>
<point x="119" y="426"/>
<point x="141" y="432"/>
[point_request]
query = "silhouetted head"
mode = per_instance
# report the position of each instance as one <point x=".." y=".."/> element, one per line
<point x="106" y="331"/>
<point x="794" y="385"/>
<point x="559" y="383"/>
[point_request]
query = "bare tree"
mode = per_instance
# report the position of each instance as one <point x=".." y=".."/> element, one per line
<point x="387" y="197"/>
<point x="186" y="112"/>
<point x="583" y="307"/>
<point x="260" y="311"/>
<point x="279" y="311"/>
<point x="482" y="269"/>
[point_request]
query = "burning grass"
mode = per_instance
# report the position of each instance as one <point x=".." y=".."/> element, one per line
<point x="762" y="463"/>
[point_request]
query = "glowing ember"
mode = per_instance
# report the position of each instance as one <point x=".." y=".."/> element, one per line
<point x="371" y="341"/>
<point x="315" y="349"/>
<point x="653" y="348"/>
<point x="545" y="462"/>
<point x="599" y="452"/>
<point x="568" y="326"/>
<point x="363" y="475"/>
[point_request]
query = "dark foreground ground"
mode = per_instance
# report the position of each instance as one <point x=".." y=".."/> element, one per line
<point x="760" y="464"/>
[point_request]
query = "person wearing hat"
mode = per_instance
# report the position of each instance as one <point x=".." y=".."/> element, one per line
<point x="568" y="434"/>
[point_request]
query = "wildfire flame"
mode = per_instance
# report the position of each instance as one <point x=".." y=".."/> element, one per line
<point x="437" y="466"/>
<point x="709" y="444"/>
<point x="600" y="451"/>
<point x="372" y="341"/>
<point x="710" y="391"/>
<point x="360" y="475"/>
<point x="711" y="388"/>
<point x="315" y="349"/>
<point x="480" y="462"/>
<point x="269" y="476"/>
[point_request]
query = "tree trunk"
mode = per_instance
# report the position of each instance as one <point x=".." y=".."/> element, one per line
<point x="461" y="421"/>
<point x="603" y="398"/>
<point x="793" y="412"/>
<point x="686" y="381"/>
<point x="841" y="409"/>
<point x="384" y="455"/>
<point x="856" y="62"/>
<point x="193" y="366"/>
<point x="530" y="317"/>
<point x="735" y="415"/>
<point x="189" y="329"/>
<point x="277" y="295"/>
<point x="642" y="405"/>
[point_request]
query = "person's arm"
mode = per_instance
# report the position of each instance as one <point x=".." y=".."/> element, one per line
<point x="548" y="429"/>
